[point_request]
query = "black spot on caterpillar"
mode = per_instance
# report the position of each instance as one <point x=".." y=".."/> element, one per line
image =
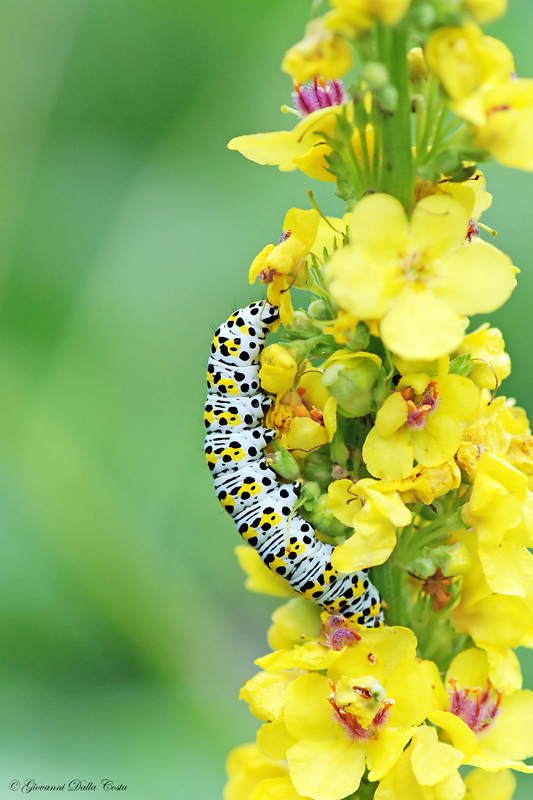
<point x="249" y="490"/>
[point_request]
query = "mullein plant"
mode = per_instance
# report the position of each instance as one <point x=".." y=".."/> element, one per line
<point x="411" y="461"/>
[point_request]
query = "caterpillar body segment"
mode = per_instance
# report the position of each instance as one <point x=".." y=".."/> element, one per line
<point x="249" y="490"/>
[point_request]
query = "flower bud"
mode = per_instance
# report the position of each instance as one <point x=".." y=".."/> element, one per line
<point x="338" y="450"/>
<point x="360" y="338"/>
<point x="375" y="74"/>
<point x="278" y="369"/>
<point x="424" y="16"/>
<point x="318" y="310"/>
<point x="353" y="385"/>
<point x="453" y="560"/>
<point x="323" y="519"/>
<point x="284" y="464"/>
<point x="317" y="467"/>
<point x="388" y="98"/>
<point x="300" y="322"/>
<point x="417" y="64"/>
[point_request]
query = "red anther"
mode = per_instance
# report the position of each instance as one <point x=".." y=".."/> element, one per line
<point x="363" y="691"/>
<point x="406" y="392"/>
<point x="317" y="415"/>
<point x="478" y="692"/>
<point x="297" y="86"/>
<point x="453" y="683"/>
<point x="301" y="390"/>
<point x="372" y="658"/>
<point x="315" y="81"/>
<point x="381" y="716"/>
<point x="499" y="693"/>
<point x="322" y="82"/>
<point x="432" y="386"/>
<point x="267" y="275"/>
<point x="503" y="107"/>
<point x="411" y="408"/>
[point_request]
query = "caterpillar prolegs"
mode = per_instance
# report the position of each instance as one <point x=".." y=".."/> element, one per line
<point x="249" y="490"/>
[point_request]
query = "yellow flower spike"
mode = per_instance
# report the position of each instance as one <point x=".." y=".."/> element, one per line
<point x="464" y="59"/>
<point x="278" y="370"/>
<point x="483" y="785"/>
<point x="485" y="11"/>
<point x="416" y="277"/>
<point x="375" y="513"/>
<point x="490" y="728"/>
<point x="487" y="345"/>
<point x="321" y="52"/>
<point x="260" y="578"/>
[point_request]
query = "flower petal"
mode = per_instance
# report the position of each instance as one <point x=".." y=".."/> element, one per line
<point x="476" y="279"/>
<point x="422" y="326"/>
<point x="438" y="225"/>
<point x="326" y="770"/>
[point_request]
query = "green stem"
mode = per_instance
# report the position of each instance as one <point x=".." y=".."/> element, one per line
<point x="432" y="99"/>
<point x="366" y="157"/>
<point x="398" y="178"/>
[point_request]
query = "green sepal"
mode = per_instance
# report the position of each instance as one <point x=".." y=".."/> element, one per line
<point x="462" y="365"/>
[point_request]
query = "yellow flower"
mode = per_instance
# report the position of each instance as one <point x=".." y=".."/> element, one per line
<point x="246" y="768"/>
<point x="422" y="421"/>
<point x="260" y="578"/>
<point x="375" y="513"/>
<point x="427" y="770"/>
<point x="482" y="785"/>
<point x="496" y="622"/>
<point x="487" y="345"/>
<point x="293" y="623"/>
<point x="425" y="484"/>
<point x="343" y="328"/>
<point x="464" y="59"/>
<point x="485" y="11"/>
<point x="417" y="277"/>
<point x="354" y="17"/>
<point x="306" y="418"/>
<point x="278" y="370"/>
<point x="492" y="729"/>
<point x="502" y="119"/>
<point x="302" y="148"/>
<point x="281" y="265"/>
<point x="500" y="511"/>
<point x="321" y="52"/>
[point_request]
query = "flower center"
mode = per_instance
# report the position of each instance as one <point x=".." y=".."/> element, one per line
<point x="414" y="267"/>
<point x="419" y="406"/>
<point x="362" y="708"/>
<point x="337" y="633"/>
<point x="477" y="707"/>
<point x="318" y="94"/>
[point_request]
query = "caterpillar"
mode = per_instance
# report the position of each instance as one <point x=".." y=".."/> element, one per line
<point x="250" y="491"/>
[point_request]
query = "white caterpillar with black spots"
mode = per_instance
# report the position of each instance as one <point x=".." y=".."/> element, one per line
<point x="250" y="491"/>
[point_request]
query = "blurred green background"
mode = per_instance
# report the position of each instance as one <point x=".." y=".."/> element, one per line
<point x="126" y="232"/>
